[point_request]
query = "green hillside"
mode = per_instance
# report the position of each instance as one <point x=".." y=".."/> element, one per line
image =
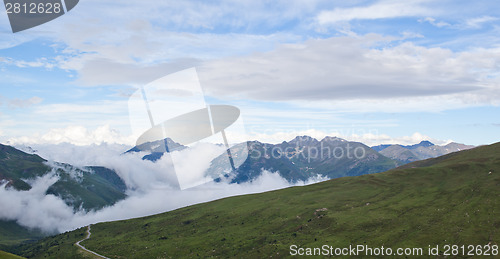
<point x="5" y="255"/>
<point x="89" y="188"/>
<point x="16" y="165"/>
<point x="60" y="246"/>
<point x="95" y="188"/>
<point x="448" y="200"/>
<point x="11" y="233"/>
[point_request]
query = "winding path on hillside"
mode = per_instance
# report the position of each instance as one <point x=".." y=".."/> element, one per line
<point x="85" y="249"/>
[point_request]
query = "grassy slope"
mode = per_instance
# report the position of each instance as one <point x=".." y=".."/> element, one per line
<point x="450" y="200"/>
<point x="93" y="192"/>
<point x="60" y="246"/>
<point x="5" y="255"/>
<point x="96" y="190"/>
<point x="12" y="233"/>
<point x="16" y="165"/>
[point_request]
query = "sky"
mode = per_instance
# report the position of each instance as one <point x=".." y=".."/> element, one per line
<point x="369" y="71"/>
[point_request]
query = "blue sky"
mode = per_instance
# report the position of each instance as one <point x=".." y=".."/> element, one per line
<point x="369" y="71"/>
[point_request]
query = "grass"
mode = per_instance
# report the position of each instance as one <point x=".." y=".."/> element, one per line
<point x="449" y="200"/>
<point x="60" y="246"/>
<point x="5" y="255"/>
<point x="88" y="255"/>
<point x="12" y="234"/>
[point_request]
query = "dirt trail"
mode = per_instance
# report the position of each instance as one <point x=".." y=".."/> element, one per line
<point x="85" y="249"/>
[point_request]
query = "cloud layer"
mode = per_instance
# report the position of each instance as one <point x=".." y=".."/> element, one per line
<point x="364" y="67"/>
<point x="77" y="135"/>
<point x="377" y="10"/>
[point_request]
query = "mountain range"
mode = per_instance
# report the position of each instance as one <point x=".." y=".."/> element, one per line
<point x="305" y="157"/>
<point x="420" y="151"/>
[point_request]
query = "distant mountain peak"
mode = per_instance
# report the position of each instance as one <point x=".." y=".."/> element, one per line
<point x="304" y="137"/>
<point x="303" y="140"/>
<point x="331" y="139"/>
<point x="157" y="148"/>
<point x="453" y="146"/>
<point x="423" y="143"/>
<point x="426" y="142"/>
<point x="423" y="150"/>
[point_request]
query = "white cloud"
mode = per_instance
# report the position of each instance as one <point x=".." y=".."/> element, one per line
<point x="51" y="119"/>
<point x="434" y="22"/>
<point x="361" y="68"/>
<point x="71" y="109"/>
<point x="135" y="44"/>
<point x="24" y="103"/>
<point x="476" y="23"/>
<point x="469" y="23"/>
<point x="373" y="139"/>
<point x="148" y="46"/>
<point x="77" y="135"/>
<point x="20" y="103"/>
<point x="378" y="10"/>
<point x="411" y="35"/>
<point x="186" y="15"/>
<point x="174" y="52"/>
<point x="39" y="62"/>
<point x="34" y="208"/>
<point x="190" y="174"/>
